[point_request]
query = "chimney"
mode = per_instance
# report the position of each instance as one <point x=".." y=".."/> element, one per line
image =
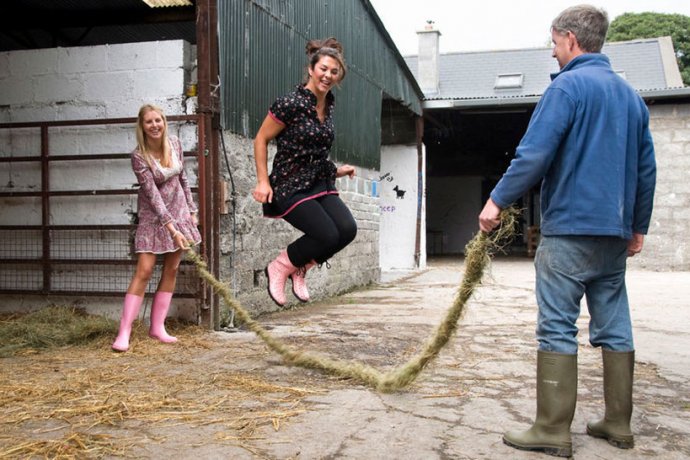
<point x="428" y="59"/>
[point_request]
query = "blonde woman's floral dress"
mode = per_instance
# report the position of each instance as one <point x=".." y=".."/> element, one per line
<point x="164" y="196"/>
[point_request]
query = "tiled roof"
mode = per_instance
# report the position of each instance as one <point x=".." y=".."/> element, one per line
<point x="472" y="75"/>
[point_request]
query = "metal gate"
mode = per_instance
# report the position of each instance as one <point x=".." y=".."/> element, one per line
<point x="59" y="232"/>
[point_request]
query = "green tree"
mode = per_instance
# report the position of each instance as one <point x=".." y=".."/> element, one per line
<point x="630" y="26"/>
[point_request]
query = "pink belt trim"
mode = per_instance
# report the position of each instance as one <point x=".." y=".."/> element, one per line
<point x="329" y="192"/>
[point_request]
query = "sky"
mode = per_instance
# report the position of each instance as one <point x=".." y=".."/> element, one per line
<point x="481" y="25"/>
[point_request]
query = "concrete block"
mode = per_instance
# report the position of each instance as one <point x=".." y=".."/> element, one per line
<point x="672" y="200"/>
<point x="682" y="161"/>
<point x="172" y="54"/>
<point x="670" y="175"/>
<point x="4" y="64"/>
<point x="34" y="113"/>
<point x="681" y="214"/>
<point x="148" y="83"/>
<point x="130" y="107"/>
<point x="132" y="56"/>
<point x="681" y="135"/>
<point x="88" y="210"/>
<point x="65" y="141"/>
<point x="57" y="88"/>
<point x="21" y="142"/>
<point x="22" y="177"/>
<point x="666" y="123"/>
<point x="78" y="60"/>
<point x="80" y="111"/>
<point x="172" y="104"/>
<point x="661" y="136"/>
<point x="123" y="108"/>
<point x="663" y="111"/>
<point x="682" y="110"/>
<point x="27" y="63"/>
<point x="20" y="211"/>
<point x="15" y="90"/>
<point x="667" y="153"/>
<point x="91" y="175"/>
<point x="108" y="87"/>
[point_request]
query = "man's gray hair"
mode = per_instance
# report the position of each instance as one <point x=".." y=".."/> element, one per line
<point x="588" y="23"/>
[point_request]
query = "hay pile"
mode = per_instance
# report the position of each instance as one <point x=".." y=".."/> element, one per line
<point x="51" y="327"/>
<point x="88" y="402"/>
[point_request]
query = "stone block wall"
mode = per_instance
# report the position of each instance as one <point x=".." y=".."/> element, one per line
<point x="667" y="246"/>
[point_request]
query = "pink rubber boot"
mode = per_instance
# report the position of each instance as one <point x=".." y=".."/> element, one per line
<point x="277" y="273"/>
<point x="159" y="310"/>
<point x="130" y="311"/>
<point x="299" y="282"/>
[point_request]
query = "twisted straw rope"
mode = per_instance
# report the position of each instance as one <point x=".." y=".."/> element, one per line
<point x="477" y="255"/>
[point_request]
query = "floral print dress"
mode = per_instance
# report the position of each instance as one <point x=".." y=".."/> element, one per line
<point x="301" y="168"/>
<point x="164" y="196"/>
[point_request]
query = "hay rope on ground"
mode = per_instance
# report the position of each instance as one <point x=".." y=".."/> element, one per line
<point x="477" y="255"/>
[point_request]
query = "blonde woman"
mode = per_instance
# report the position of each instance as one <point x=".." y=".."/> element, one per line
<point x="167" y="222"/>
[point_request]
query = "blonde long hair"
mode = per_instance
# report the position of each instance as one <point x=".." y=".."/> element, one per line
<point x="166" y="161"/>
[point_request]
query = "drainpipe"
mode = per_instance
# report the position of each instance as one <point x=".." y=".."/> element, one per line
<point x="419" y="128"/>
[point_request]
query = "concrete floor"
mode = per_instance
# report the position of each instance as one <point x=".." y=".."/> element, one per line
<point x="483" y="382"/>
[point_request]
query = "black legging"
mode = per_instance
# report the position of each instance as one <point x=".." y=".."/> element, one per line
<point x="328" y="227"/>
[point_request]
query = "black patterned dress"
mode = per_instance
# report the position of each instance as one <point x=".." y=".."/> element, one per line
<point x="301" y="168"/>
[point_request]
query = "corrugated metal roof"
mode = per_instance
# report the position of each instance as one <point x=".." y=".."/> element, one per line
<point x="164" y="3"/>
<point x="470" y="76"/>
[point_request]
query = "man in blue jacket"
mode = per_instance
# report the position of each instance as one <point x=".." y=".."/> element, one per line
<point x="589" y="141"/>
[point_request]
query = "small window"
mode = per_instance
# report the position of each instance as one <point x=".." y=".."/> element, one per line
<point x="621" y="73"/>
<point x="508" y="80"/>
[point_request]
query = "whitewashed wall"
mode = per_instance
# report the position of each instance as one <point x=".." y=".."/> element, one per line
<point x="399" y="199"/>
<point x="95" y="82"/>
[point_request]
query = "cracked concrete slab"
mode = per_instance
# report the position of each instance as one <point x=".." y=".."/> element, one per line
<point x="482" y="384"/>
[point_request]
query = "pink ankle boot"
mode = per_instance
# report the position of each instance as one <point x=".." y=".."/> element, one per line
<point x="159" y="310"/>
<point x="130" y="311"/>
<point x="277" y="273"/>
<point x="299" y="282"/>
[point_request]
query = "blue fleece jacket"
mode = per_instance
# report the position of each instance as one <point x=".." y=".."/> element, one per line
<point x="589" y="140"/>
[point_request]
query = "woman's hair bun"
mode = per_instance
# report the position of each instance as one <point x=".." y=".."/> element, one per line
<point x="315" y="45"/>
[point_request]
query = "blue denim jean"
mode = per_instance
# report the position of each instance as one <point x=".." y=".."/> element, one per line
<point x="569" y="268"/>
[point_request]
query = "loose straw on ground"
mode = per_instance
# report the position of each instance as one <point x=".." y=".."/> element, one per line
<point x="477" y="255"/>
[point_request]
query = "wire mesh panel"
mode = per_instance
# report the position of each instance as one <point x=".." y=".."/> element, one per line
<point x="25" y="244"/>
<point x="92" y="244"/>
<point x="69" y="206"/>
<point x="21" y="277"/>
<point x="100" y="279"/>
